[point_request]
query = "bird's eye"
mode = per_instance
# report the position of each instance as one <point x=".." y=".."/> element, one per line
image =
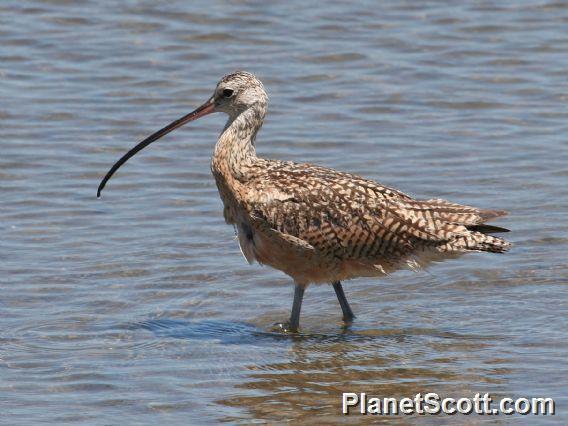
<point x="227" y="93"/>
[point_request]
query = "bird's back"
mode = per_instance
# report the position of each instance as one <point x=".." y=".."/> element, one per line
<point x="321" y="225"/>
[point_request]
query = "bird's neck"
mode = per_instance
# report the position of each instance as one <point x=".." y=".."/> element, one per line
<point x="235" y="152"/>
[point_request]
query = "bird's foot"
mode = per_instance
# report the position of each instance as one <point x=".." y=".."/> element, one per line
<point x="347" y="322"/>
<point x="284" y="327"/>
<point x="346" y="325"/>
<point x="348" y="319"/>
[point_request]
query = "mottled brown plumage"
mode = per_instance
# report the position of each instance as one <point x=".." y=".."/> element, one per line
<point x="320" y="225"/>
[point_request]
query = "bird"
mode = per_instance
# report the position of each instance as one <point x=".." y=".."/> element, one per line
<point x="316" y="224"/>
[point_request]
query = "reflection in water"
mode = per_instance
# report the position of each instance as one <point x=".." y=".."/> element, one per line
<point x="317" y="368"/>
<point x="395" y="364"/>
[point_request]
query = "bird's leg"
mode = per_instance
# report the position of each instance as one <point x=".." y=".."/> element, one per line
<point x="347" y="312"/>
<point x="293" y="324"/>
<point x="296" y="307"/>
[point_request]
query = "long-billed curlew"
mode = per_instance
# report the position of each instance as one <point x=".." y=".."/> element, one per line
<point x="316" y="224"/>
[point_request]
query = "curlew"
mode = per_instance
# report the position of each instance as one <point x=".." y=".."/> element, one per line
<point x="316" y="224"/>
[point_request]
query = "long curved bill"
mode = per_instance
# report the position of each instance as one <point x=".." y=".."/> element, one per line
<point x="207" y="108"/>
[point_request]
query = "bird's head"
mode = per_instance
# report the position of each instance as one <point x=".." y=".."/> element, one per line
<point x="234" y="94"/>
<point x="237" y="92"/>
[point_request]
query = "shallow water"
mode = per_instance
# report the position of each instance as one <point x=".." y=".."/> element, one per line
<point x="139" y="306"/>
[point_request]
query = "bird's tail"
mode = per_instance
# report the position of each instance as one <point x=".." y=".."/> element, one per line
<point x="476" y="241"/>
<point x="487" y="229"/>
<point x="450" y="227"/>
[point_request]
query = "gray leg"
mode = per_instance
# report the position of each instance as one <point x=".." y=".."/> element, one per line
<point x="347" y="312"/>
<point x="296" y="307"/>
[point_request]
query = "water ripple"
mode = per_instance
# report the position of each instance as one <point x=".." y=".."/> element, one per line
<point x="139" y="306"/>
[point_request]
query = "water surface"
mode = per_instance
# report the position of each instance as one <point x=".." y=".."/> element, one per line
<point x="140" y="307"/>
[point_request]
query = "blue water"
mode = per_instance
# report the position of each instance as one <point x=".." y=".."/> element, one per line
<point x="139" y="307"/>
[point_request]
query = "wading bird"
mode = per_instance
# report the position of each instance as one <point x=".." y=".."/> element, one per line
<point x="316" y="224"/>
